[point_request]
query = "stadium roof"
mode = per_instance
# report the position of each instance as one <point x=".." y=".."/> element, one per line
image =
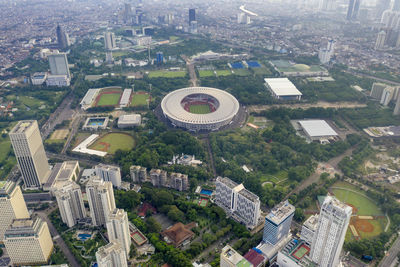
<point x="282" y="86"/>
<point x="228" y="106"/>
<point x="316" y="128"/>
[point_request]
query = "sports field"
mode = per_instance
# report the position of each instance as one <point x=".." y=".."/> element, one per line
<point x="139" y="99"/>
<point x="203" y="202"/>
<point x="167" y="74"/>
<point x="287" y="66"/>
<point x="138" y="238"/>
<point x="300" y="252"/>
<point x="206" y="73"/>
<point x="59" y="134"/>
<point x="223" y="72"/>
<point x="112" y="142"/>
<point x="242" y="72"/>
<point x="108" y="99"/>
<point x="200" y="109"/>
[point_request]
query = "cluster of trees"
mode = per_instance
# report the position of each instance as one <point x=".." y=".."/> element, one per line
<point x="350" y="165"/>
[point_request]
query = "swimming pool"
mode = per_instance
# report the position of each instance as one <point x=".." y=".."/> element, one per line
<point x="84" y="237"/>
<point x="206" y="192"/>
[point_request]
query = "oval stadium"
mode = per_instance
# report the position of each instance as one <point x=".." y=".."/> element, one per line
<point x="200" y="108"/>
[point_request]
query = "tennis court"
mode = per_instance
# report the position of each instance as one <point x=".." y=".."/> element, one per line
<point x="300" y="252"/>
<point x="138" y="238"/>
<point x="203" y="202"/>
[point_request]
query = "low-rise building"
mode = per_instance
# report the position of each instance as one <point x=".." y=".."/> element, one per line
<point x="231" y="258"/>
<point x="129" y="120"/>
<point x="282" y="89"/>
<point x="295" y="254"/>
<point x="58" y="80"/>
<point x="38" y="78"/>
<point x="318" y="130"/>
<point x="61" y="174"/>
<point x="179" y="234"/>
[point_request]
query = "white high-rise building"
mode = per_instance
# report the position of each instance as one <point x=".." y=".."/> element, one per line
<point x="118" y="229"/>
<point x="12" y="206"/>
<point x="29" y="151"/>
<point x="70" y="203"/>
<point x="241" y="204"/>
<point x="109" y="41"/>
<point x="328" y="241"/>
<point x="28" y="242"/>
<point x="109" y="173"/>
<point x="278" y="222"/>
<point x="325" y="54"/>
<point x="380" y="40"/>
<point x="101" y="200"/>
<point x="111" y="255"/>
<point x="309" y="228"/>
<point x="59" y="64"/>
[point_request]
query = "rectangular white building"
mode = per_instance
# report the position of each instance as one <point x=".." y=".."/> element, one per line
<point x="278" y="222"/>
<point x="101" y="200"/>
<point x="328" y="240"/>
<point x="70" y="203"/>
<point x="59" y="64"/>
<point x="317" y="129"/>
<point x="125" y="98"/>
<point x="282" y="89"/>
<point x="109" y="173"/>
<point x="118" y="229"/>
<point x="129" y="120"/>
<point x="241" y="204"/>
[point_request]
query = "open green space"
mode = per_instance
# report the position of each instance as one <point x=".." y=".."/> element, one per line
<point x="108" y="100"/>
<point x="5" y="149"/>
<point x="111" y="142"/>
<point x="223" y="72"/>
<point x="242" y="72"/>
<point x="200" y="109"/>
<point x="120" y="53"/>
<point x="287" y="66"/>
<point x="139" y="100"/>
<point x="262" y="71"/>
<point x="167" y="74"/>
<point x="206" y="73"/>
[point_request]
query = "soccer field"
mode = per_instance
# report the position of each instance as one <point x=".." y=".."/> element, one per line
<point x="223" y="72"/>
<point x="206" y="73"/>
<point x="139" y="100"/>
<point x="200" y="109"/>
<point x="108" y="100"/>
<point x="167" y="74"/>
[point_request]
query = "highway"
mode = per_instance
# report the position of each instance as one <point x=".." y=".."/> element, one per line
<point x="391" y="257"/>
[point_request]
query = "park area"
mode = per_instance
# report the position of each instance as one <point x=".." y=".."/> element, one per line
<point x="368" y="220"/>
<point x="140" y="99"/>
<point x="108" y="97"/>
<point x="288" y="66"/>
<point x="223" y="72"/>
<point x="206" y="73"/>
<point x="167" y="74"/>
<point x="111" y="142"/>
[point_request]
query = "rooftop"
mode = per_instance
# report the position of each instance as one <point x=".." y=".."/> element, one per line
<point x="234" y="257"/>
<point x="254" y="257"/>
<point x="129" y="118"/>
<point x="280" y="212"/>
<point x="178" y="233"/>
<point x="282" y="86"/>
<point x="22" y="126"/>
<point x="311" y="222"/>
<point x="228" y="182"/>
<point x="317" y="128"/>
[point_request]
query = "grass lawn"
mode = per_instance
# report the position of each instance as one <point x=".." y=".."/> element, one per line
<point x="167" y="74"/>
<point x="223" y="72"/>
<point x="200" y="109"/>
<point x="261" y="71"/>
<point x="242" y="72"/>
<point x="108" y="100"/>
<point x="120" y="53"/>
<point x="139" y="100"/>
<point x="111" y="142"/>
<point x="5" y="148"/>
<point x="275" y="178"/>
<point x="206" y="73"/>
<point x="378" y="228"/>
<point x="30" y="101"/>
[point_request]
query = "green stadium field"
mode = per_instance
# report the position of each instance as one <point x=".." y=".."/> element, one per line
<point x="167" y="74"/>
<point x="111" y="142"/>
<point x="206" y="73"/>
<point x="223" y="72"/>
<point x="108" y="99"/>
<point x="199" y="109"/>
<point x="139" y="100"/>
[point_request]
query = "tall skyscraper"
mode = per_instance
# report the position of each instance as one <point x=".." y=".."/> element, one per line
<point x="118" y="229"/>
<point x="111" y="255"/>
<point x="396" y="5"/>
<point x="326" y="5"/>
<point x="160" y="58"/>
<point x="29" y="151"/>
<point x="278" y="222"/>
<point x="192" y="15"/>
<point x="101" y="200"/>
<point x="12" y="206"/>
<point x="352" y="11"/>
<point x="127" y="14"/>
<point x="109" y="173"/>
<point x="381" y="6"/>
<point x="325" y="54"/>
<point x="28" y="242"/>
<point x="62" y="38"/>
<point x="70" y="203"/>
<point x="396" y="111"/>
<point x="328" y="240"/>
<point x="109" y="41"/>
<point x="59" y="64"/>
<point x="380" y="40"/>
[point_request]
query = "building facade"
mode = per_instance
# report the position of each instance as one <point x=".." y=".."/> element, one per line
<point x="28" y="242"/>
<point x="109" y="173"/>
<point x="118" y="229"/>
<point x="329" y="237"/>
<point x="29" y="151"/>
<point x="12" y="206"/>
<point x="278" y="222"/>
<point x="101" y="200"/>
<point x="158" y="178"/>
<point x="138" y="174"/>
<point x="109" y="41"/>
<point x="111" y="255"/>
<point x="179" y="181"/>
<point x="70" y="203"/>
<point x="309" y="228"/>
<point x="59" y="64"/>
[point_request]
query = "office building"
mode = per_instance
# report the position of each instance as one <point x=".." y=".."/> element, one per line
<point x="12" y="206"/>
<point x="377" y="90"/>
<point x="62" y="38"/>
<point x="381" y="6"/>
<point x="101" y="200"/>
<point x="380" y="40"/>
<point x="118" y="229"/>
<point x="59" y="64"/>
<point x="328" y="240"/>
<point x="109" y="173"/>
<point x="309" y="228"/>
<point x="325" y="54"/>
<point x="127" y="13"/>
<point x="353" y="8"/>
<point x="111" y="255"/>
<point x="238" y="202"/>
<point x="29" y="151"/>
<point x="158" y="178"/>
<point x="109" y="41"/>
<point x="387" y="95"/>
<point x="58" y="80"/>
<point x="278" y="222"/>
<point x="70" y="203"/>
<point x="179" y="181"/>
<point x="230" y="258"/>
<point x="193" y="27"/>
<point x="327" y="5"/>
<point x="28" y="242"/>
<point x="160" y="58"/>
<point x="138" y="174"/>
<point x="192" y="15"/>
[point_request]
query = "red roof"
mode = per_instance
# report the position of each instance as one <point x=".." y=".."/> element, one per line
<point x="144" y="208"/>
<point x="254" y="258"/>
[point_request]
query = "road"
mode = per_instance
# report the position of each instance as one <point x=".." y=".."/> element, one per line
<point x="74" y="126"/>
<point x="192" y="71"/>
<point x="66" y="157"/>
<point x="59" y="241"/>
<point x="319" y="104"/>
<point x="391" y="256"/>
<point x="371" y="77"/>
